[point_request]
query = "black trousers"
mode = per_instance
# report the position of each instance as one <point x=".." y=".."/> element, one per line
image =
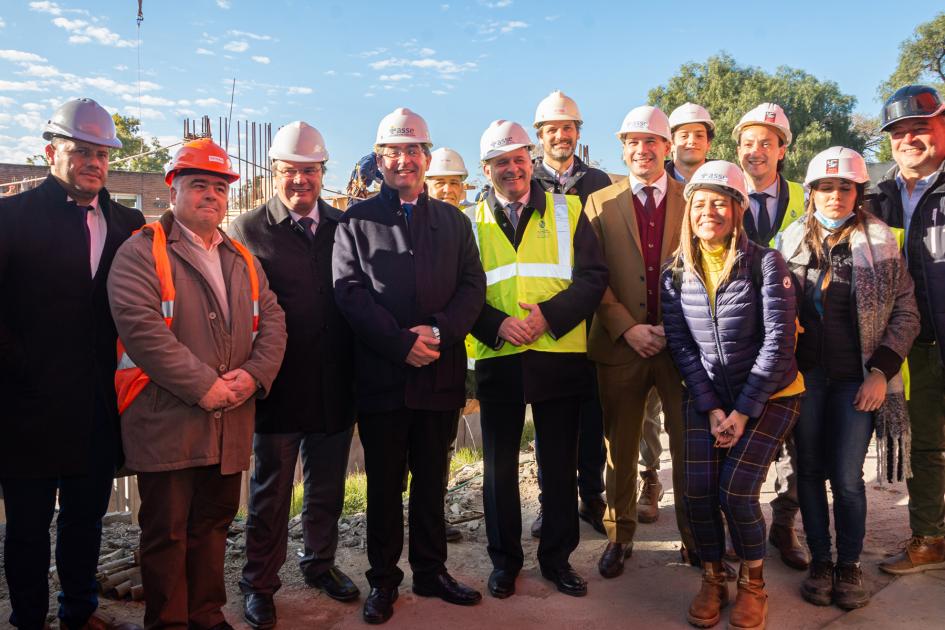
<point x="30" y="504"/>
<point x="556" y="425"/>
<point x="592" y="455"/>
<point x="391" y="440"/>
<point x="324" y="462"/>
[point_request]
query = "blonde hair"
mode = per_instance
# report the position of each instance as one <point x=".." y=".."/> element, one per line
<point x="689" y="254"/>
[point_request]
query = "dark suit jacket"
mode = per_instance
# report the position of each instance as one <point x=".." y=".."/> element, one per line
<point x="390" y="277"/>
<point x="533" y="376"/>
<point x="57" y="337"/>
<point x="314" y="391"/>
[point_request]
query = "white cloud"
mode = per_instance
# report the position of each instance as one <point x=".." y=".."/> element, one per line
<point x="224" y="4"/>
<point x="372" y="53"/>
<point x="46" y="7"/>
<point x="551" y="18"/>
<point x="204" y="51"/>
<point x="395" y="77"/>
<point x="330" y="73"/>
<point x="41" y="71"/>
<point x="2" y="23"/>
<point x="498" y="4"/>
<point x="369" y="94"/>
<point x="440" y="92"/>
<point x="147" y="99"/>
<point x="495" y="26"/>
<point x="236" y="46"/>
<point x="19" y="86"/>
<point x="121" y="67"/>
<point x="261" y="59"/>
<point x="443" y="66"/>
<point x="7" y="101"/>
<point x="356" y="75"/>
<point x="426" y="52"/>
<point x="208" y="102"/>
<point x="444" y="7"/>
<point x="114" y="87"/>
<point x="296" y="89"/>
<point x="20" y="56"/>
<point x="146" y="113"/>
<point x="257" y="37"/>
<point x="83" y="33"/>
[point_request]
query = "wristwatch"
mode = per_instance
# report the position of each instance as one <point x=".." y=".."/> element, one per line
<point x="436" y="332"/>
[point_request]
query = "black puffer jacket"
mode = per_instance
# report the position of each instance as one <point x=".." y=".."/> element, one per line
<point x="744" y="353"/>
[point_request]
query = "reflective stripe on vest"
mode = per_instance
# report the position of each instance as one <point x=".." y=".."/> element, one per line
<point x="130" y="380"/>
<point x="541" y="268"/>
<point x="795" y="210"/>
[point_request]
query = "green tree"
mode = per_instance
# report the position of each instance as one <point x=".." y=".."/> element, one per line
<point x="37" y="160"/>
<point x="127" y="128"/>
<point x="821" y="116"/>
<point x="921" y="59"/>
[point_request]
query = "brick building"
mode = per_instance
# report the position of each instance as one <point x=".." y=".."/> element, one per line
<point x="144" y="191"/>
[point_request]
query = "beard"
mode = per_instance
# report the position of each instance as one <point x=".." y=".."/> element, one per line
<point x="561" y="152"/>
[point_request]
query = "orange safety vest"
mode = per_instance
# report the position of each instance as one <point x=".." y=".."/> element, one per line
<point x="129" y="378"/>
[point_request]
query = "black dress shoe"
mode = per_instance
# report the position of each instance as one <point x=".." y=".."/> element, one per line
<point x="453" y="533"/>
<point x="567" y="580"/>
<point x="610" y="564"/>
<point x="259" y="610"/>
<point x="536" y="525"/>
<point x="502" y="583"/>
<point x="447" y="589"/>
<point x="335" y="584"/>
<point x="379" y="605"/>
<point x="592" y="511"/>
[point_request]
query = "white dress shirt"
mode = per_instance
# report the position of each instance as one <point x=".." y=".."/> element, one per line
<point x="771" y="203"/>
<point x="210" y="266"/>
<point x="98" y="230"/>
<point x="659" y="188"/>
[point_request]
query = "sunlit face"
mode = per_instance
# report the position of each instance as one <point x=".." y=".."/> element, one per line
<point x="199" y="201"/>
<point x="81" y="167"/>
<point x="403" y="167"/>
<point x="510" y="173"/>
<point x="834" y="197"/>
<point x="712" y="217"/>
<point x="759" y="150"/>
<point x="643" y="154"/>
<point x="448" y="188"/>
<point x="690" y="144"/>
<point x="298" y="184"/>
<point x="559" y="139"/>
<point x="918" y="144"/>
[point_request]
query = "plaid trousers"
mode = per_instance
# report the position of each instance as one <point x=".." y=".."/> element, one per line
<point x="731" y="479"/>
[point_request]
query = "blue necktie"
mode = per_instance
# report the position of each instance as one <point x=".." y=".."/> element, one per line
<point x="307" y="223"/>
<point x="763" y="224"/>
<point x="408" y="208"/>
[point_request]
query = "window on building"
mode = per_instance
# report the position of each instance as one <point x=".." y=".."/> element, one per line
<point x="127" y="199"/>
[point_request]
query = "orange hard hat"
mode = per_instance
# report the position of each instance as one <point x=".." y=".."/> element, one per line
<point x="202" y="154"/>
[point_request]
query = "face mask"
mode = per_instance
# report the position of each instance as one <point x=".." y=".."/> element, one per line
<point x="832" y="224"/>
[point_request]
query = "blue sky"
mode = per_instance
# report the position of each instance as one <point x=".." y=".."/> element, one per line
<point x="342" y="65"/>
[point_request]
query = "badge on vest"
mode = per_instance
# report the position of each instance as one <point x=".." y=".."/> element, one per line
<point x="543" y="231"/>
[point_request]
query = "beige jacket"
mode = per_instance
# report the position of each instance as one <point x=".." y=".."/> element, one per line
<point x="624" y="303"/>
<point x="165" y="428"/>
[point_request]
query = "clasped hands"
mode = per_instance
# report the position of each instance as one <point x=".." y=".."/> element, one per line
<point x="426" y="347"/>
<point x="521" y="332"/>
<point x="727" y="429"/>
<point x="229" y="391"/>
<point x="647" y="340"/>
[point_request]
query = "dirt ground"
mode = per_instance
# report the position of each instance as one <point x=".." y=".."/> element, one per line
<point x="653" y="592"/>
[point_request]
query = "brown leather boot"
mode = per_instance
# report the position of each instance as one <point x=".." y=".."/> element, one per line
<point x="750" y="611"/>
<point x="920" y="553"/>
<point x="706" y="609"/>
<point x="651" y="491"/>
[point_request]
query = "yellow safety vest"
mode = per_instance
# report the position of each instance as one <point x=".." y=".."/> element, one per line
<point x="794" y="211"/>
<point x="540" y="269"/>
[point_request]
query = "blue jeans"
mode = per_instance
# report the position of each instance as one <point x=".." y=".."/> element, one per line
<point x="832" y="439"/>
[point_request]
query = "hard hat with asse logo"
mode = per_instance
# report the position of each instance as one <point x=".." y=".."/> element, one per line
<point x="645" y="119"/>
<point x="502" y="136"/>
<point x="720" y="176"/>
<point x="403" y="126"/>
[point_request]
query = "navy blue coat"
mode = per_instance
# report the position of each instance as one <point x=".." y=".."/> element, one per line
<point x="739" y="357"/>
<point x="389" y="277"/>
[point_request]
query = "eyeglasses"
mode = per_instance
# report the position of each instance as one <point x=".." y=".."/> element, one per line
<point x="395" y="154"/>
<point x="291" y="173"/>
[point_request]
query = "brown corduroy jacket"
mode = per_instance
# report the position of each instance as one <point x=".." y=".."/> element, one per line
<point x="624" y="303"/>
<point x="164" y="428"/>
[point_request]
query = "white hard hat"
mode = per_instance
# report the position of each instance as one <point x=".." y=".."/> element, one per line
<point x="445" y="161"/>
<point x="645" y="119"/>
<point x="838" y="162"/>
<point x="769" y="115"/>
<point x="501" y="137"/>
<point x="403" y="126"/>
<point x="690" y="113"/>
<point x="83" y="119"/>
<point x="719" y="175"/>
<point x="298" y="142"/>
<point x="557" y="106"/>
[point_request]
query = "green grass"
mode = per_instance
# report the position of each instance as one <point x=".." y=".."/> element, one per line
<point x="464" y="457"/>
